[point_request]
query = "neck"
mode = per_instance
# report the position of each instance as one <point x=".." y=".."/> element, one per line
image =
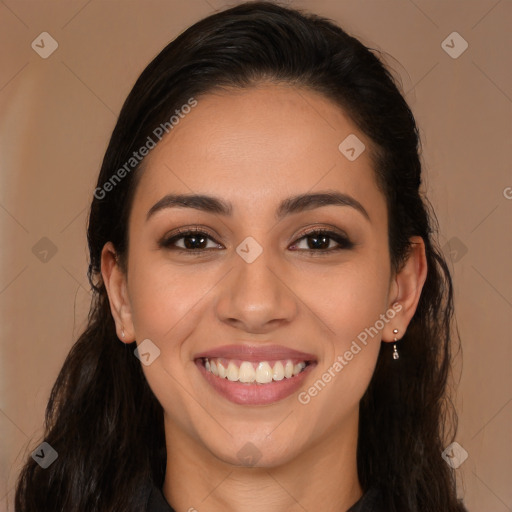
<point x="197" y="480"/>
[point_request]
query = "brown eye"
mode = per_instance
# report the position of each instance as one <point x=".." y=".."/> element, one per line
<point x="194" y="240"/>
<point x="320" y="241"/>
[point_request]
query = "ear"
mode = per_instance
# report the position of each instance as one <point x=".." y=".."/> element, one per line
<point x="115" y="282"/>
<point x="406" y="289"/>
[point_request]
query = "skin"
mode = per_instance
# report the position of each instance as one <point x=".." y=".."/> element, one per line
<point x="254" y="148"/>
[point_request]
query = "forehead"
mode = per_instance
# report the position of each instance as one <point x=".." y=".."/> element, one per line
<point x="258" y="145"/>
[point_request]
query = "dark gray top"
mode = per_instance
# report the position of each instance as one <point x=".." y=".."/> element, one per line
<point x="370" y="502"/>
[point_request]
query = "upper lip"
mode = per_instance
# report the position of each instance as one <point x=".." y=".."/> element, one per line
<point x="255" y="353"/>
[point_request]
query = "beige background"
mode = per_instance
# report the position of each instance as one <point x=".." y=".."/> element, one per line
<point x="56" y="118"/>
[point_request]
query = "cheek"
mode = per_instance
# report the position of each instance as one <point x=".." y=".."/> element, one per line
<point x="350" y="301"/>
<point x="348" y="298"/>
<point x="163" y="299"/>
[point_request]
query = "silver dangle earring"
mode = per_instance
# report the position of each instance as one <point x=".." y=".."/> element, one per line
<point x="122" y="333"/>
<point x="395" y="351"/>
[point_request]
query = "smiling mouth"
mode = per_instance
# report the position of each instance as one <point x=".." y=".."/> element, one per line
<point x="254" y="372"/>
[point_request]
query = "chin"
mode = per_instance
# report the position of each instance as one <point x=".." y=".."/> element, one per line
<point x="260" y="453"/>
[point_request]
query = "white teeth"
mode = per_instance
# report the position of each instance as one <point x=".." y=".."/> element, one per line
<point x="232" y="373"/>
<point x="298" y="368"/>
<point x="278" y="371"/>
<point x="247" y="373"/>
<point x="262" y="374"/>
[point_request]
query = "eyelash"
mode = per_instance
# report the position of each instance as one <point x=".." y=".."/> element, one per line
<point x="343" y="241"/>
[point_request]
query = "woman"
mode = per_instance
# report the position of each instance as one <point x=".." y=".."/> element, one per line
<point x="271" y="320"/>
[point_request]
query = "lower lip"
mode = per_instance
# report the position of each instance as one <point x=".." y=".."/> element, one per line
<point x="255" y="394"/>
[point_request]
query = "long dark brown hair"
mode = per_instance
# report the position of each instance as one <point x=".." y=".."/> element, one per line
<point x="103" y="419"/>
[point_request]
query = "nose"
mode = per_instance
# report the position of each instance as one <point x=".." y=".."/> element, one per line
<point x="255" y="297"/>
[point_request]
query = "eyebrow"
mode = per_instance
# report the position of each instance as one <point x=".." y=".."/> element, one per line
<point x="289" y="206"/>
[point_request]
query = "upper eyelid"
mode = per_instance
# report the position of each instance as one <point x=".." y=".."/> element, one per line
<point x="323" y="229"/>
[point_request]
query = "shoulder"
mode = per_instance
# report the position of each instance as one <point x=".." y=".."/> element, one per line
<point x="157" y="502"/>
<point x="371" y="501"/>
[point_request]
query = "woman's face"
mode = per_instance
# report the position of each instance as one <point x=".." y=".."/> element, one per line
<point x="260" y="288"/>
